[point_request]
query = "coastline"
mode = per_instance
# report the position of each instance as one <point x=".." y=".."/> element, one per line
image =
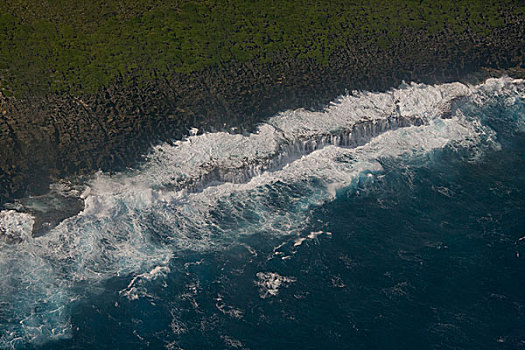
<point x="47" y="138"/>
<point x="262" y="174"/>
<point x="352" y="203"/>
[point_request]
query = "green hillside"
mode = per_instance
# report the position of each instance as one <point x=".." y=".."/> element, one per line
<point x="78" y="46"/>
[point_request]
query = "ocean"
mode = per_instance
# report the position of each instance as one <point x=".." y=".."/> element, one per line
<point x="387" y="220"/>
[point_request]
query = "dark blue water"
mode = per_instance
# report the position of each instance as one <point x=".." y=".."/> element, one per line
<point x="426" y="253"/>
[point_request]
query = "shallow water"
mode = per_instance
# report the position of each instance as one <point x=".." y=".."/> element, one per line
<point x="389" y="220"/>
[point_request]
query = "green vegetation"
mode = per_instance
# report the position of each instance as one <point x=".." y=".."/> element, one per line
<point x="56" y="46"/>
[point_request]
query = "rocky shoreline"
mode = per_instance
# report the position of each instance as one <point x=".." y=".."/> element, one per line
<point x="47" y="138"/>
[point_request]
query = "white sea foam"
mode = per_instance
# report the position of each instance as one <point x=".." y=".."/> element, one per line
<point x="269" y="283"/>
<point x="135" y="288"/>
<point x="349" y="121"/>
<point x="205" y="192"/>
<point x="15" y="226"/>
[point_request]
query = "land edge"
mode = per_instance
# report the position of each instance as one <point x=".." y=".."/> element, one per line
<point x="47" y="138"/>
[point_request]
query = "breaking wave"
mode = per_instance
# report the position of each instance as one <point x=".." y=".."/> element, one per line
<point x="204" y="192"/>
